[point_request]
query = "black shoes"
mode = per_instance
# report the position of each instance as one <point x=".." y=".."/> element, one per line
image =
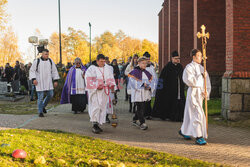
<point x="44" y="111"/>
<point x="41" y="115"/>
<point x="143" y="126"/>
<point x="96" y="129"/>
<point x="107" y="120"/>
<point x="149" y="118"/>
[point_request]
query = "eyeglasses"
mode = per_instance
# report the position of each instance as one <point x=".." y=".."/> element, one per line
<point x="78" y="63"/>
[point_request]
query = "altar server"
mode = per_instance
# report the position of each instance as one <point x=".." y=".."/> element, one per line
<point x="141" y="91"/>
<point x="43" y="73"/>
<point x="194" y="123"/>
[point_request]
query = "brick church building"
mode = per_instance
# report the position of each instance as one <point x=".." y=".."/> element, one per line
<point x="228" y="49"/>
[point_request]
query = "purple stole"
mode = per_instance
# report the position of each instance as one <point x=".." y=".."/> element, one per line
<point x="70" y="83"/>
<point x="137" y="74"/>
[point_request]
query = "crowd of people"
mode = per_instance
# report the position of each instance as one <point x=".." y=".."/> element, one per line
<point x="17" y="78"/>
<point x="101" y="80"/>
<point x="97" y="85"/>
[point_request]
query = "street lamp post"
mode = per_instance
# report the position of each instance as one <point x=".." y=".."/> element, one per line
<point x="34" y="41"/>
<point x="60" y="33"/>
<point x="38" y="44"/>
<point x="90" y="42"/>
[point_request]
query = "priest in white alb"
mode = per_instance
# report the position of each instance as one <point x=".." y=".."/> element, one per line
<point x="99" y="81"/>
<point x="194" y="122"/>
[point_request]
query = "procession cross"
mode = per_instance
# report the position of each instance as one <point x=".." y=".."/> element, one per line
<point x="204" y="36"/>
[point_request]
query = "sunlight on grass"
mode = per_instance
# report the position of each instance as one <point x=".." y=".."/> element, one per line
<point x="21" y="108"/>
<point x="65" y="149"/>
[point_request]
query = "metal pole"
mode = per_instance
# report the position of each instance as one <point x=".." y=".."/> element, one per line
<point x="60" y="33"/>
<point x="90" y="43"/>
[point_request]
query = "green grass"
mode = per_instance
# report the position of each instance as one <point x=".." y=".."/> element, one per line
<point x="17" y="108"/>
<point x="214" y="106"/>
<point x="65" y="149"/>
<point x="214" y="115"/>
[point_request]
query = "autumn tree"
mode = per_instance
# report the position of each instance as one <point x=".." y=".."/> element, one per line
<point x="9" y="48"/>
<point x="3" y="14"/>
<point x="116" y="46"/>
<point x="53" y="46"/>
<point x="8" y="39"/>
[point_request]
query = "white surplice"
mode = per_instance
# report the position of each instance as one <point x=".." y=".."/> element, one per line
<point x="109" y="105"/>
<point x="138" y="92"/>
<point x="194" y="122"/>
<point x="98" y="98"/>
<point x="128" y="69"/>
<point x="79" y="81"/>
<point x="151" y="70"/>
<point x="44" y="74"/>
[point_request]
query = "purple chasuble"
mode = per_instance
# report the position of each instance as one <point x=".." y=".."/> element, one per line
<point x="70" y="83"/>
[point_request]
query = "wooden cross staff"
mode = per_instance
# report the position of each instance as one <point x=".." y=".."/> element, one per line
<point x="204" y="36"/>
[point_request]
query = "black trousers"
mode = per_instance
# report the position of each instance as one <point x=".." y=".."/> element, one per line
<point x="131" y="105"/>
<point x="126" y="93"/>
<point x="148" y="109"/>
<point x="79" y="102"/>
<point x="139" y="113"/>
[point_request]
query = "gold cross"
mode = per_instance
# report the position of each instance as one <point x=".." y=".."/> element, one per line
<point x="204" y="37"/>
<point x="203" y="34"/>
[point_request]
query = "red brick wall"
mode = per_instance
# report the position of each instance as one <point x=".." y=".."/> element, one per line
<point x="241" y="37"/>
<point x="212" y="14"/>
<point x="160" y="39"/>
<point x="173" y="26"/>
<point x="186" y="28"/>
<point x="166" y="30"/>
<point x="238" y="39"/>
<point x="229" y="36"/>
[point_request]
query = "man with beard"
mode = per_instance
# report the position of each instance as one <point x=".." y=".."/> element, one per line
<point x="170" y="98"/>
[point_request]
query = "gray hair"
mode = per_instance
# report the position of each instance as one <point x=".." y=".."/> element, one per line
<point x="78" y="59"/>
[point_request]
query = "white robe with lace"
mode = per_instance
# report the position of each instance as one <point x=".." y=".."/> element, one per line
<point x="154" y="81"/>
<point x="44" y="74"/>
<point x="194" y="122"/>
<point x="97" y="99"/>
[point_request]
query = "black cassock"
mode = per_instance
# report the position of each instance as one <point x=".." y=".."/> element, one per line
<point x="170" y="97"/>
<point x="78" y="102"/>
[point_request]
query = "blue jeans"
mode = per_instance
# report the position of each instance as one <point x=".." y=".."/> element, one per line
<point x="33" y="87"/>
<point x="43" y="103"/>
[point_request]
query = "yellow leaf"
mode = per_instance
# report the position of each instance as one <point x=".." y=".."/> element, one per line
<point x="40" y="160"/>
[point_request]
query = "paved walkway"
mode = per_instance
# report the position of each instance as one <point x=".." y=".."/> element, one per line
<point x="226" y="145"/>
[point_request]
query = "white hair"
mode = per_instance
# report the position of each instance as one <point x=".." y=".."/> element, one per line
<point x="78" y="59"/>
